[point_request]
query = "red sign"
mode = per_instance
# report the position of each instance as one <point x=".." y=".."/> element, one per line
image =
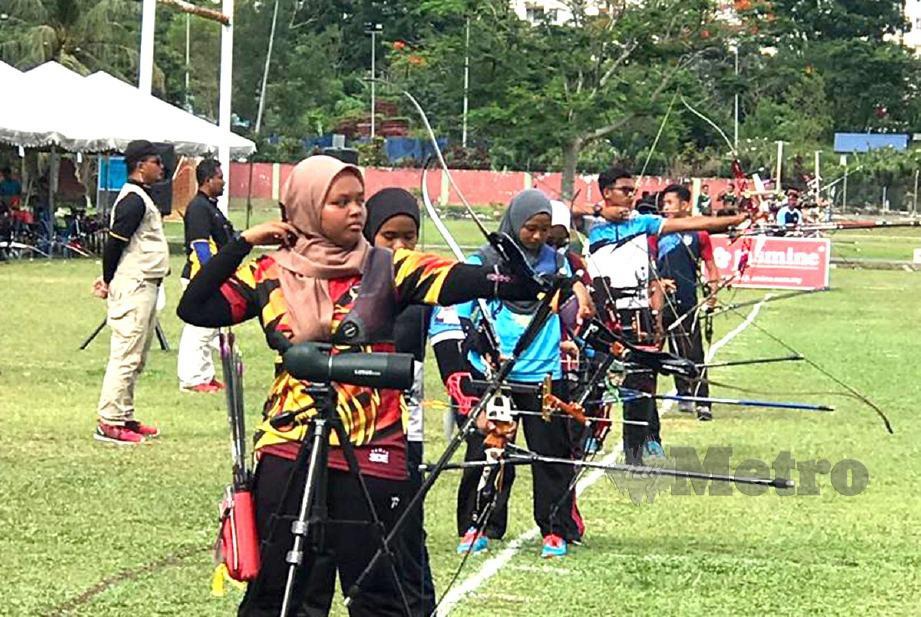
<point x="775" y="263"/>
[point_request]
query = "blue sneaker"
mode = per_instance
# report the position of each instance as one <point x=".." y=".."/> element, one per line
<point x="653" y="449"/>
<point x="473" y="542"/>
<point x="554" y="546"/>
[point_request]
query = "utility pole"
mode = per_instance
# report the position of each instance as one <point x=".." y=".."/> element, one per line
<point x="265" y="70"/>
<point x="735" y="125"/>
<point x="914" y="196"/>
<point x="188" y="45"/>
<point x="466" y="83"/>
<point x="373" y="30"/>
<point x="226" y="81"/>
<point x="777" y="184"/>
<point x="145" y="64"/>
<point x="844" y="188"/>
<point x="818" y="178"/>
<point x="145" y="68"/>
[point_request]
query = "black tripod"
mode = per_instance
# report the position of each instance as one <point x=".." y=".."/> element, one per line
<point x="308" y="528"/>
<point x="161" y="336"/>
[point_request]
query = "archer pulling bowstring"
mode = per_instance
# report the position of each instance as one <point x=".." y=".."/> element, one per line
<point x="677" y="260"/>
<point x="618" y="258"/>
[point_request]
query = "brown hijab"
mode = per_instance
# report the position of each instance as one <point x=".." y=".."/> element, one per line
<point x="307" y="267"/>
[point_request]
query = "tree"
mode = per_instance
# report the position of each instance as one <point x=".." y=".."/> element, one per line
<point x="800" y="22"/>
<point x="204" y="60"/>
<point x="555" y="90"/>
<point x="82" y="35"/>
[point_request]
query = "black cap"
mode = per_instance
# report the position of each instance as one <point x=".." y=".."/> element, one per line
<point x="137" y="150"/>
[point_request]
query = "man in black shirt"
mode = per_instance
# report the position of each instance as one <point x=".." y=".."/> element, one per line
<point x="134" y="261"/>
<point x="206" y="231"/>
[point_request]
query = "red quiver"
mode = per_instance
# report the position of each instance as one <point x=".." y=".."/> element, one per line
<point x="238" y="543"/>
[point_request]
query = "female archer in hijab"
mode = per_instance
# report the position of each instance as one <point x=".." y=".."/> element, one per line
<point x="527" y="221"/>
<point x="303" y="292"/>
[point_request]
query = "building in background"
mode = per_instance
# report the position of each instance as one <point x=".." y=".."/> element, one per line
<point x="911" y="38"/>
<point x="554" y="11"/>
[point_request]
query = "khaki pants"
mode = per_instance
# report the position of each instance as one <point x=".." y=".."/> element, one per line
<point x="132" y="317"/>
<point x="195" y="365"/>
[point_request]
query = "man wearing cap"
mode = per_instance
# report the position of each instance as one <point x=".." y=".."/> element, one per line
<point x="134" y="261"/>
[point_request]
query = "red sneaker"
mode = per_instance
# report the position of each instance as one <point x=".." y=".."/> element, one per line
<point x="202" y="387"/>
<point x="217" y="384"/>
<point x="119" y="435"/>
<point x="148" y="432"/>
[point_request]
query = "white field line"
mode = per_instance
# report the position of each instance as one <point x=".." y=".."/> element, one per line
<point x="495" y="563"/>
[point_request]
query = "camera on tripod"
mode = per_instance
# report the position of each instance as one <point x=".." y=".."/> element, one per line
<point x="315" y="362"/>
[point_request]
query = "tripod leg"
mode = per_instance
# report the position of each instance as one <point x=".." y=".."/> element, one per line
<point x="316" y="474"/>
<point x="385" y="549"/>
<point x="416" y="502"/>
<point x="95" y="333"/>
<point x="161" y="336"/>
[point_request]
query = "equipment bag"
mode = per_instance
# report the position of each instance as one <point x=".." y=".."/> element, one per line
<point x="237" y="546"/>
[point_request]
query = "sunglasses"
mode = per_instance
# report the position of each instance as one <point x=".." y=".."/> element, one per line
<point x="626" y="190"/>
<point x="156" y="160"/>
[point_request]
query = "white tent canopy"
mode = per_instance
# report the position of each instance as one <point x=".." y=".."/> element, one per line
<point x="10" y="73"/>
<point x="174" y="125"/>
<point x="19" y="122"/>
<point x="53" y="105"/>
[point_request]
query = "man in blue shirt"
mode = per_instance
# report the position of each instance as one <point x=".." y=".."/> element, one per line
<point x="678" y="257"/>
<point x="618" y="262"/>
<point x="790" y="214"/>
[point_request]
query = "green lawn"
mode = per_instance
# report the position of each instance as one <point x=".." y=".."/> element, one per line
<point x="87" y="529"/>
<point x="880" y="244"/>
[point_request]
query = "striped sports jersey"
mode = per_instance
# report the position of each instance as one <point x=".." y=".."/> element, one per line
<point x="373" y="418"/>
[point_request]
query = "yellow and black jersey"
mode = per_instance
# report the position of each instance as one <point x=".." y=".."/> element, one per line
<point x="207" y="230"/>
<point x="374" y="419"/>
<point x="225" y="292"/>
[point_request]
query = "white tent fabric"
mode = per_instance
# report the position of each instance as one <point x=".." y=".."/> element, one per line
<point x="56" y="106"/>
<point x="19" y="124"/>
<point x="9" y="72"/>
<point x="173" y="125"/>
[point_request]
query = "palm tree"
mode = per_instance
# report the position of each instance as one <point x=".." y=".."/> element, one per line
<point x="82" y="35"/>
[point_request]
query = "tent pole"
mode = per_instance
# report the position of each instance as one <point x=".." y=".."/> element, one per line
<point x="249" y="192"/>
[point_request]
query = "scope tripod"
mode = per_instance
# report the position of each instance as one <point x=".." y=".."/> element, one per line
<point x="308" y="528"/>
<point x="161" y="336"/>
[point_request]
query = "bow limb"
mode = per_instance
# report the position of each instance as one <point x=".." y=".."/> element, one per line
<point x="443" y="163"/>
<point x="714" y="125"/>
<point x="436" y="218"/>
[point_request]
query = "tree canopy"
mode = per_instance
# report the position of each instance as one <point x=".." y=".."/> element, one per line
<point x="603" y="87"/>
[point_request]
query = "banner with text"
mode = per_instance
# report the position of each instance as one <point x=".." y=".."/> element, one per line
<point x="776" y="263"/>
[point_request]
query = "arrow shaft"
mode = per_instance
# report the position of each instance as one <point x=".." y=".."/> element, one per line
<point x="528" y="458"/>
<point x="629" y="395"/>
<point x="790" y="358"/>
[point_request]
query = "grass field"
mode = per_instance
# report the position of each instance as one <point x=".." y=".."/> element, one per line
<point x="87" y="529"/>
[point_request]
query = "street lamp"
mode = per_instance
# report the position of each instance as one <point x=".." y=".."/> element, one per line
<point x="466" y="83"/>
<point x="373" y="29"/>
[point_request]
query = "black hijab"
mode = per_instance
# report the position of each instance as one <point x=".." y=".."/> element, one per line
<point x="410" y="329"/>
<point x="386" y="204"/>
